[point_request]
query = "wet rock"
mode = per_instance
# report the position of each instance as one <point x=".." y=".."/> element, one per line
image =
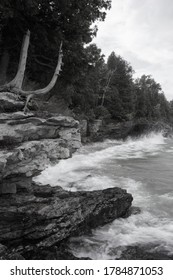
<point x="146" y="252"/>
<point x="134" y="210"/>
<point x="6" y="254"/>
<point x="46" y="216"/>
<point x="60" y="252"/>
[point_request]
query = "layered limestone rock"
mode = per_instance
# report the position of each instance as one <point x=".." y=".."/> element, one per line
<point x="28" y="143"/>
<point x="44" y="216"/>
<point x="17" y="128"/>
<point x="10" y="102"/>
<point x="36" y="221"/>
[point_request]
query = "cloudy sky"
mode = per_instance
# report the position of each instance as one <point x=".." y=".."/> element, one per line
<point x="142" y="33"/>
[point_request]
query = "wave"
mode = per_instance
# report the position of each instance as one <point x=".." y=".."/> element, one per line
<point x="99" y="166"/>
<point x="108" y="242"/>
<point x="89" y="161"/>
<point x="152" y="226"/>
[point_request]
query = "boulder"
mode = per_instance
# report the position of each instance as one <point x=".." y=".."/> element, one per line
<point x="45" y="216"/>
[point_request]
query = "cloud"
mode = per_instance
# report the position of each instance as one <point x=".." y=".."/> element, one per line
<point x="141" y="32"/>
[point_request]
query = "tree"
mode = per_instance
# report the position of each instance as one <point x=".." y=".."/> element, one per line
<point x="119" y="97"/>
<point x="86" y="89"/>
<point x="112" y="62"/>
<point x="150" y="100"/>
<point x="50" y="22"/>
<point x="15" y="85"/>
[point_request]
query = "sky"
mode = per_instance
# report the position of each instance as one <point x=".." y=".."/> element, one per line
<point x="141" y="31"/>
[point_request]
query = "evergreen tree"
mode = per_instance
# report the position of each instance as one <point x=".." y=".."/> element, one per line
<point x="119" y="99"/>
<point x="150" y="100"/>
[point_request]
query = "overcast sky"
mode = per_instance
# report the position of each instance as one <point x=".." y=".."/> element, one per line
<point x="142" y="33"/>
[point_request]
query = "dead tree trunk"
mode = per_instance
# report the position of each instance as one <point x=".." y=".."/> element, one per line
<point x="106" y="88"/>
<point x="18" y="80"/>
<point x="15" y="85"/>
<point x="52" y="82"/>
<point x="45" y="90"/>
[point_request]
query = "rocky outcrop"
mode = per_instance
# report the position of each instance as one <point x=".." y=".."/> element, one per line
<point x="94" y="127"/>
<point x="84" y="128"/>
<point x="40" y="217"/>
<point x="121" y="130"/>
<point x="28" y="143"/>
<point x="36" y="221"/>
<point x="17" y="128"/>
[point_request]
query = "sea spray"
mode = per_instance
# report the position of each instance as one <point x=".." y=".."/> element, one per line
<point x="76" y="169"/>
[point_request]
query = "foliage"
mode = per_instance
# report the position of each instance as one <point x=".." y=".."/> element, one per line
<point x="86" y="89"/>
<point x="150" y="100"/>
<point x="88" y="85"/>
<point x="49" y="23"/>
<point x="119" y="98"/>
<point x="101" y="113"/>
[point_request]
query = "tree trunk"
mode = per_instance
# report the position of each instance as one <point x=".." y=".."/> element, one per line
<point x="105" y="90"/>
<point x="50" y="85"/>
<point x="18" y="80"/>
<point x="3" y="67"/>
<point x="15" y="85"/>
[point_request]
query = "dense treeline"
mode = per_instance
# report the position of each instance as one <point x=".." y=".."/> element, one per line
<point x="110" y="91"/>
<point x="90" y="86"/>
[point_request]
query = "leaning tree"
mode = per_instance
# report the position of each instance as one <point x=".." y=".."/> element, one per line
<point x="15" y="85"/>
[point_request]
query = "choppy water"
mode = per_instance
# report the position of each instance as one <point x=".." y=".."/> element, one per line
<point x="145" y="168"/>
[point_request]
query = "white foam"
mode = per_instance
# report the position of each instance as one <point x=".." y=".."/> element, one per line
<point x="90" y="169"/>
<point x="167" y="196"/>
<point x="136" y="230"/>
<point x="79" y="166"/>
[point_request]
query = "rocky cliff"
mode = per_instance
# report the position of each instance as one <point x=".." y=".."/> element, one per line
<point x="28" y="143"/>
<point x="37" y="220"/>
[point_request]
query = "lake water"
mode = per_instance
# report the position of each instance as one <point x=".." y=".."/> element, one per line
<point x="144" y="167"/>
